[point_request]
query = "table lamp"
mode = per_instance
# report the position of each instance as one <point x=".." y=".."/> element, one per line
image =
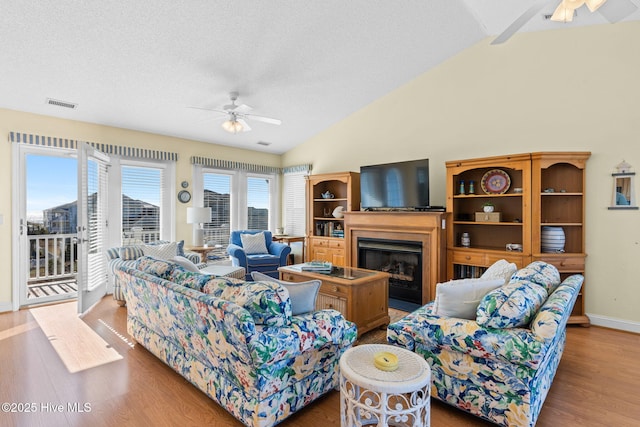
<point x="198" y="216"/>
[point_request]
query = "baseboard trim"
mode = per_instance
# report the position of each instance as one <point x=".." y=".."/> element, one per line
<point x="613" y="323"/>
<point x="5" y="306"/>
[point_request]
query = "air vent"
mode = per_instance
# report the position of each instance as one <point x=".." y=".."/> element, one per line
<point x="265" y="144"/>
<point x="63" y="104"/>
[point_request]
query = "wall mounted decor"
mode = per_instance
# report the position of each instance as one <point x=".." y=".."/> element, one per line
<point x="624" y="193"/>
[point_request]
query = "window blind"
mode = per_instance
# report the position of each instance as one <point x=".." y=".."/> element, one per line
<point x="294" y="203"/>
<point x="142" y="192"/>
<point x="217" y="196"/>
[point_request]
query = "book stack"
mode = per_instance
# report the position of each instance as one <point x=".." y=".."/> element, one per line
<point x="319" y="266"/>
<point x="338" y="233"/>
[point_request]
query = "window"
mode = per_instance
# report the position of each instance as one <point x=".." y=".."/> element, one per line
<point x="238" y="199"/>
<point x="142" y="207"/>
<point x="217" y="196"/>
<point x="258" y="202"/>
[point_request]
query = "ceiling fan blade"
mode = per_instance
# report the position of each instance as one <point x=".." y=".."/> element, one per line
<point x="263" y="119"/>
<point x="245" y="125"/>
<point x="242" y="109"/>
<point x="207" y="109"/>
<point x="614" y="11"/>
<point x="520" y="21"/>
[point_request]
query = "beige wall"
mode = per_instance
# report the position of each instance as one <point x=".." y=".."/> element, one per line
<point x="557" y="90"/>
<point x="42" y="125"/>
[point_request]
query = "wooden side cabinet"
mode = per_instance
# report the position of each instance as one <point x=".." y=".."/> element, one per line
<point x="360" y="295"/>
<point x="558" y="201"/>
<point x="325" y="232"/>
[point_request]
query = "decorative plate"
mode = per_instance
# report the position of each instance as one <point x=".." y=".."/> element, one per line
<point x="495" y="181"/>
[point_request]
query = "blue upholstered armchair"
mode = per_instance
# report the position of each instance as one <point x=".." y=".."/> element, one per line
<point x="247" y="249"/>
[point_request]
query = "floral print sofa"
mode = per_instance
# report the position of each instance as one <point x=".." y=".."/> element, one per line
<point x="236" y="341"/>
<point x="499" y="366"/>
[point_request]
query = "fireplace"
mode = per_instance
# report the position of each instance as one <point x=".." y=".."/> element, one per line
<point x="421" y="232"/>
<point x="401" y="259"/>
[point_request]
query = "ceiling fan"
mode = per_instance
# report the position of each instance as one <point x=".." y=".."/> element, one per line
<point x="237" y="116"/>
<point x="614" y="11"/>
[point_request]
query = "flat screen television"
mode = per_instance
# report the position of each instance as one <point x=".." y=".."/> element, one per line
<point x="400" y="185"/>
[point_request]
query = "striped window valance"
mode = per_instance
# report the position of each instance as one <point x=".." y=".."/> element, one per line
<point x="297" y="169"/>
<point x="233" y="165"/>
<point x="118" y="150"/>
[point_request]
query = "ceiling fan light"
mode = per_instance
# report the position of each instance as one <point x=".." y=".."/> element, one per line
<point x="232" y="126"/>
<point x="562" y="14"/>
<point x="572" y="4"/>
<point x="593" y="5"/>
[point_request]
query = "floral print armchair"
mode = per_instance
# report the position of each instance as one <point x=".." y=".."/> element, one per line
<point x="499" y="366"/>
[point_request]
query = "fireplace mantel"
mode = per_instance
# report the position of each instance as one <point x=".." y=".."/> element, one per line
<point x="425" y="227"/>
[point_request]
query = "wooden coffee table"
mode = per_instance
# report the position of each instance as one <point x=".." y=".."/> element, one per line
<point x="362" y="296"/>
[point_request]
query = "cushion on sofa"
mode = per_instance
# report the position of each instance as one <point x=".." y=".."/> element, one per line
<point x="157" y="267"/>
<point x="539" y="272"/>
<point x="254" y="243"/>
<point x="303" y="295"/>
<point x="460" y="298"/>
<point x="511" y="306"/>
<point x="501" y="269"/>
<point x="166" y="251"/>
<point x="185" y="263"/>
<point x="128" y="253"/>
<point x="189" y="279"/>
<point x="267" y="302"/>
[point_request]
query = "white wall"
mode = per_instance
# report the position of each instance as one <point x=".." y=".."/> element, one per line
<point x="552" y="91"/>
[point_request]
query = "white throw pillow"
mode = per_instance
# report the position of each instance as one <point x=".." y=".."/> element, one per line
<point x="165" y="252"/>
<point x="460" y="298"/>
<point x="185" y="263"/>
<point x="253" y="243"/>
<point x="501" y="269"/>
<point x="302" y="294"/>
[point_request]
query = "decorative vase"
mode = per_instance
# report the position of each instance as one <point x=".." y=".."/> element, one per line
<point x="552" y="239"/>
<point x="488" y="208"/>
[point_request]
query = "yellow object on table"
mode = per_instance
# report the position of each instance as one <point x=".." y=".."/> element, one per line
<point x="385" y="361"/>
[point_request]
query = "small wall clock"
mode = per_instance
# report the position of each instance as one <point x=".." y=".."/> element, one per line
<point x="184" y="196"/>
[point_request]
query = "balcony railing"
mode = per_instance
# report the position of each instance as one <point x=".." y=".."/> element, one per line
<point x="138" y="235"/>
<point x="53" y="265"/>
<point x="52" y="256"/>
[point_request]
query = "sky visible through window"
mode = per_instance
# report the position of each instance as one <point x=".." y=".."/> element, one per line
<point x="51" y="181"/>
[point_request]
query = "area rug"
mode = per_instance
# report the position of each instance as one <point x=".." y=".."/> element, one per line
<point x="379" y="336"/>
<point x="78" y="346"/>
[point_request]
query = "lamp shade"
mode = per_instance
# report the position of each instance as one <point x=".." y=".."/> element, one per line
<point x="198" y="215"/>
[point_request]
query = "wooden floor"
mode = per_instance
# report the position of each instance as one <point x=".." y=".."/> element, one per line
<point x="596" y="384"/>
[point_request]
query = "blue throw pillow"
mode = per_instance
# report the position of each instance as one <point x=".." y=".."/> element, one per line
<point x="302" y="294"/>
<point x="511" y="306"/>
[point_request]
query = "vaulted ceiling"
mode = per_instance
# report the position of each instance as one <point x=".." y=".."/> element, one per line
<point x="141" y="64"/>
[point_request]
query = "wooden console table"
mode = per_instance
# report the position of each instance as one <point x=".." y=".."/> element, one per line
<point x="360" y="295"/>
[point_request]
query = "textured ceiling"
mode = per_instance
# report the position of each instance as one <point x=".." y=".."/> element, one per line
<point x="141" y="64"/>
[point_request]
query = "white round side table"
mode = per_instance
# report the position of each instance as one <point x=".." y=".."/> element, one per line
<point x="369" y="395"/>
